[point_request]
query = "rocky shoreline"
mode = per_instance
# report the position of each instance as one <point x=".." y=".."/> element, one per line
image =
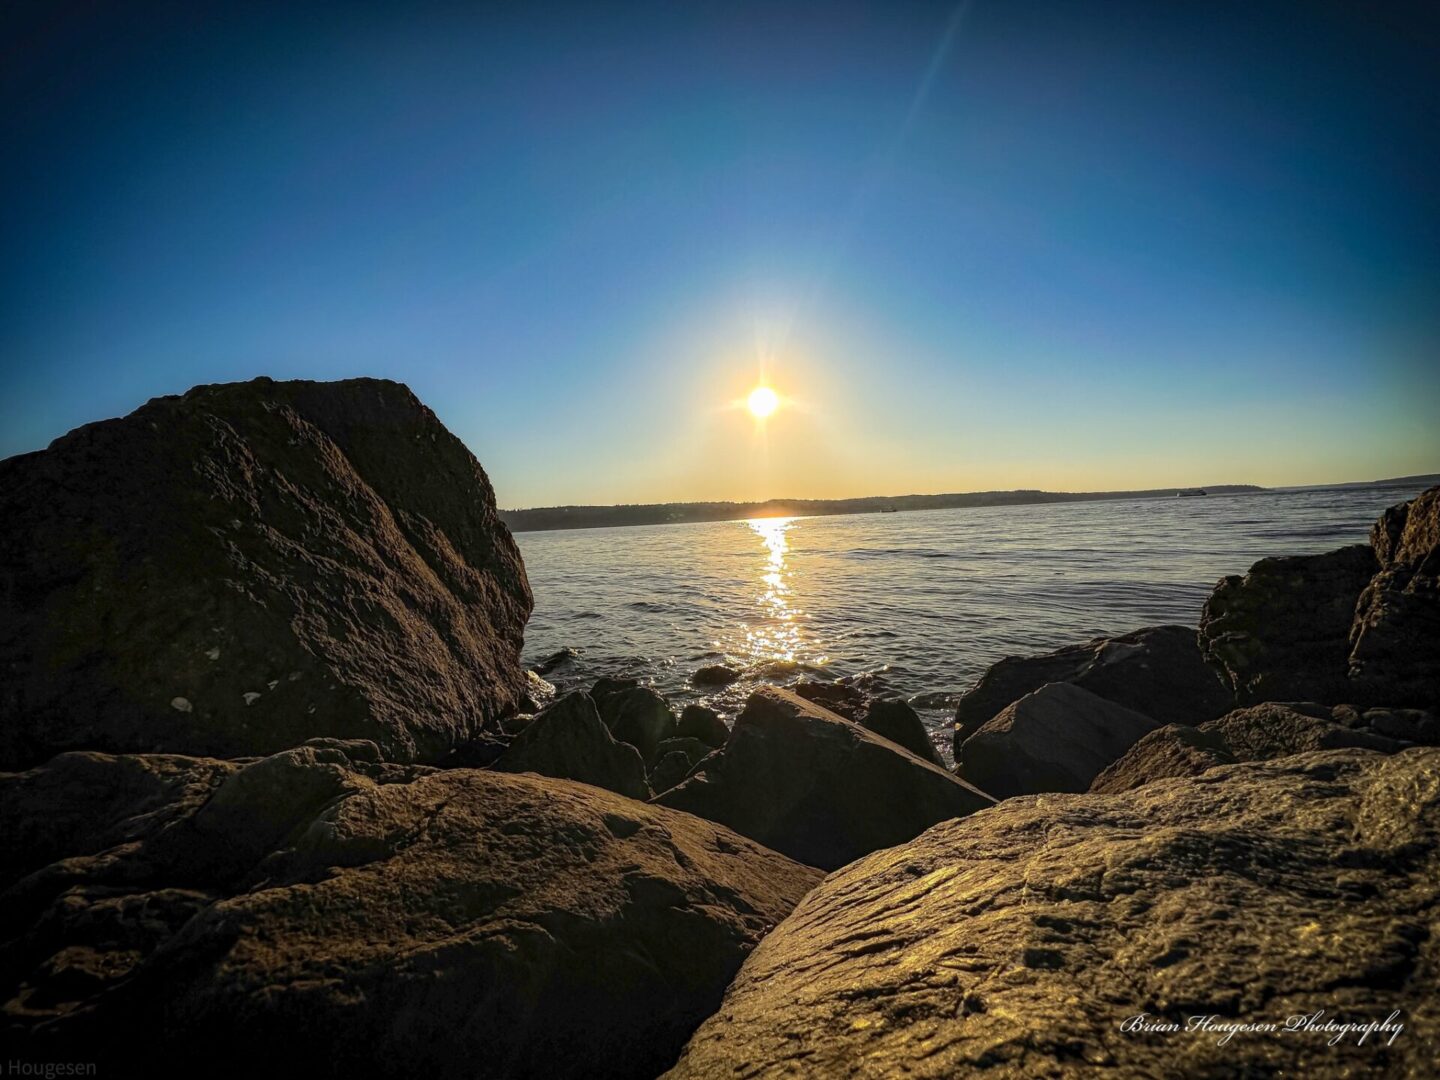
<point x="278" y="793"/>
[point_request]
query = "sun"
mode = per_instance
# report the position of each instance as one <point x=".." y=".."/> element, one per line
<point x="762" y="402"/>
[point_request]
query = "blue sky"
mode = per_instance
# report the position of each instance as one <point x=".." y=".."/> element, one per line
<point x="1058" y="245"/>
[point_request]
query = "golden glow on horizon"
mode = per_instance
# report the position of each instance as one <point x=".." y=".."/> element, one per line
<point x="762" y="402"/>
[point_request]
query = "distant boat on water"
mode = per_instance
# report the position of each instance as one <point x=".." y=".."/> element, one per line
<point x="1191" y="494"/>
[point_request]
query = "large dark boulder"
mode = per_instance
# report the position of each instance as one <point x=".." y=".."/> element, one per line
<point x="1058" y="738"/>
<point x="893" y="719"/>
<point x="1016" y="942"/>
<point x="840" y="698"/>
<point x="232" y="571"/>
<point x="817" y="787"/>
<point x="639" y="716"/>
<point x="1282" y="632"/>
<point x="568" y="740"/>
<point x="1158" y="671"/>
<point x="699" y="722"/>
<point x="323" y="916"/>
<point x="1395" y="637"/>
<point x="714" y="675"/>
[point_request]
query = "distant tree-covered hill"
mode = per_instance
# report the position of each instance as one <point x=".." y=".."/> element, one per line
<point x="595" y="517"/>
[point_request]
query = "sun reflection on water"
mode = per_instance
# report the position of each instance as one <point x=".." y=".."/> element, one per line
<point x="777" y="636"/>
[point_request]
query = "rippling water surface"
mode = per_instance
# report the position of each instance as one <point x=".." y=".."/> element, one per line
<point x="921" y="603"/>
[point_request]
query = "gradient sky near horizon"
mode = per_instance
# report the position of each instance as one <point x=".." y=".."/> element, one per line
<point x="1052" y="245"/>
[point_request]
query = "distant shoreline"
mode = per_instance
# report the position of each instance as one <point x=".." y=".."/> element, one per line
<point x="552" y="518"/>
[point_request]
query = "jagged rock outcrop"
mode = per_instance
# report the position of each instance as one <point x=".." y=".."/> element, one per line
<point x="1282" y="632"/>
<point x="1158" y="671"/>
<point x="1058" y="738"/>
<point x="893" y="719"/>
<point x="234" y="570"/>
<point x="1395" y="638"/>
<point x="817" y="787"/>
<point x="1263" y="733"/>
<point x="1017" y="941"/>
<point x="569" y="740"/>
<point x="322" y="915"/>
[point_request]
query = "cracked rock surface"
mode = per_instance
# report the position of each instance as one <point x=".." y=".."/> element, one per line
<point x="323" y="915"/>
<point x="240" y="568"/>
<point x="1014" y="942"/>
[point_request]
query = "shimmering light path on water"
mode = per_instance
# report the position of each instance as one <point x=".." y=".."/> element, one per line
<point x="922" y="602"/>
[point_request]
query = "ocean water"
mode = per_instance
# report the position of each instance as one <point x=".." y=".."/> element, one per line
<point x="919" y="604"/>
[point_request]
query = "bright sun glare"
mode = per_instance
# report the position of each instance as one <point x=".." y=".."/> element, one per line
<point x="763" y="401"/>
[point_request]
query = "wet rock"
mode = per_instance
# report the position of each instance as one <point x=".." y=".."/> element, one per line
<point x="1158" y="671"/>
<point x="817" y="787"/>
<point x="1282" y="632"/>
<point x="538" y="693"/>
<point x="1395" y="638"/>
<point x="698" y="722"/>
<point x="840" y="698"/>
<point x="607" y="686"/>
<point x="560" y="658"/>
<point x="639" y="716"/>
<point x="1173" y="750"/>
<point x="714" y="675"/>
<point x="893" y="719"/>
<point x="1015" y="942"/>
<point x="1058" y="738"/>
<point x="569" y="740"/>
<point x="540" y="926"/>
<point x="329" y="547"/>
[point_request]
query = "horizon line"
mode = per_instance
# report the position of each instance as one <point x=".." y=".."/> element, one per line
<point x="1374" y="482"/>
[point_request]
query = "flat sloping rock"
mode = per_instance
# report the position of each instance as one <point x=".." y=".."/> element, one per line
<point x="434" y="923"/>
<point x="233" y="571"/>
<point x="817" y="787"/>
<point x="568" y="740"/>
<point x="1395" y="638"/>
<point x="1057" y="739"/>
<point x="1282" y="632"/>
<point x="1158" y="671"/>
<point x="1016" y="942"/>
